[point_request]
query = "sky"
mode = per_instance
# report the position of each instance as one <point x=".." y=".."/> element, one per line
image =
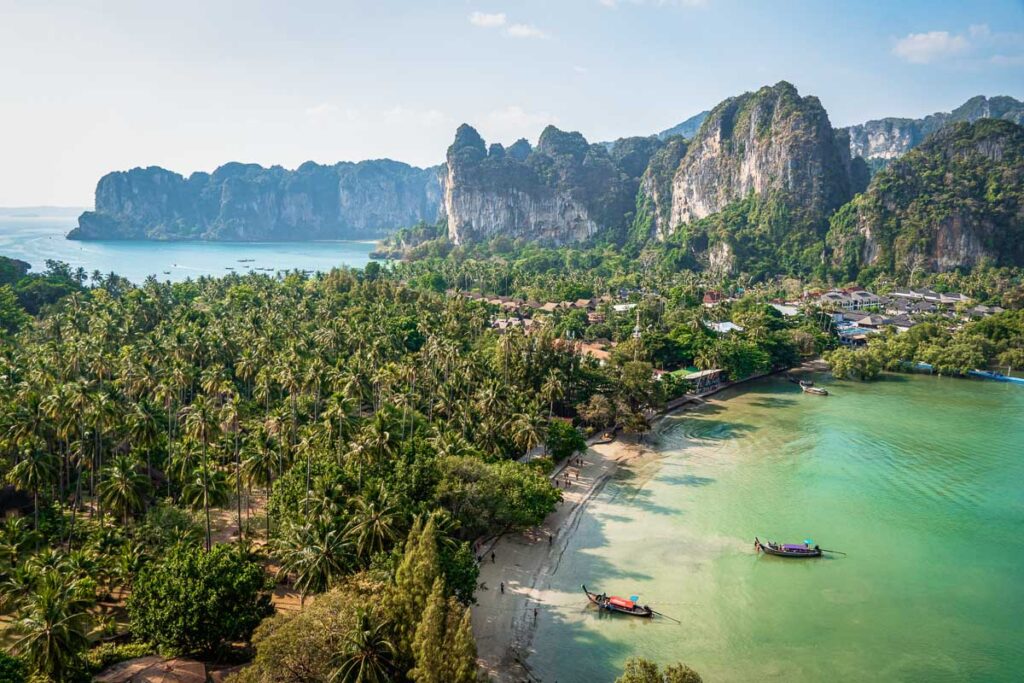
<point x="90" y="87"/>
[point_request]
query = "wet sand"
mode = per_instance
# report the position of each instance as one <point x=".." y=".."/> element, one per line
<point x="503" y="623"/>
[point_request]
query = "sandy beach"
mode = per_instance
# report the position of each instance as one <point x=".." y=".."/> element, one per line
<point x="503" y="622"/>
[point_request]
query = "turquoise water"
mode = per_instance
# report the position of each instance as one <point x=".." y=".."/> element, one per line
<point x="919" y="479"/>
<point x="36" y="239"/>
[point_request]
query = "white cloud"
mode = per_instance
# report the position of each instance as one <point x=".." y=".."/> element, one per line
<point x="581" y="69"/>
<point x="321" y="111"/>
<point x="924" y="48"/>
<point x="485" y="20"/>
<point x="500" y="19"/>
<point x="977" y="46"/>
<point x="1007" y="60"/>
<point x="411" y="116"/>
<point x="525" y="31"/>
<point x="979" y="31"/>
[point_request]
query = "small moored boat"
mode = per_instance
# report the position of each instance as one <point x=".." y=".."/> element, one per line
<point x="809" y="389"/>
<point x="613" y="603"/>
<point x="786" y="549"/>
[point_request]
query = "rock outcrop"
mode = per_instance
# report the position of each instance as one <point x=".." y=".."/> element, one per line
<point x="771" y="140"/>
<point x="882" y="140"/>
<point x="247" y="202"/>
<point x="565" y="190"/>
<point x="953" y="202"/>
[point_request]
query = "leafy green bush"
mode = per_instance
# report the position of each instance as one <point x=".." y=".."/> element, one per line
<point x="12" y="669"/>
<point x="564" y="440"/>
<point x="196" y="601"/>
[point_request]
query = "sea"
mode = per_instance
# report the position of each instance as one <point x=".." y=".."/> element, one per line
<point x="917" y="481"/>
<point x="35" y="237"/>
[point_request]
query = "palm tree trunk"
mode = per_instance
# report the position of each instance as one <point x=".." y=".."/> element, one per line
<point x="238" y="486"/>
<point x="206" y="493"/>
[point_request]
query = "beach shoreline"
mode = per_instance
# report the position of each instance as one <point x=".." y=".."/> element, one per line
<point x="504" y="622"/>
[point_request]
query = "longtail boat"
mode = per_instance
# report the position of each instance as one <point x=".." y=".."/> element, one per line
<point x="786" y="549"/>
<point x="809" y="389"/>
<point x="613" y="603"/>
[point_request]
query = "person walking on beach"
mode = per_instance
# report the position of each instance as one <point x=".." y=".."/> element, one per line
<point x="535" y="615"/>
<point x="502" y="587"/>
<point x="492" y="557"/>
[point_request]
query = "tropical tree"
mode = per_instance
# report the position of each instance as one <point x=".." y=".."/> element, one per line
<point x="373" y="526"/>
<point x="201" y="424"/>
<point x="367" y="654"/>
<point x="315" y="553"/>
<point x="34" y="471"/>
<point x="124" y="488"/>
<point x="52" y="624"/>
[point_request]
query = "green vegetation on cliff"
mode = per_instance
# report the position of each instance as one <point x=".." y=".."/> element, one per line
<point x="957" y="200"/>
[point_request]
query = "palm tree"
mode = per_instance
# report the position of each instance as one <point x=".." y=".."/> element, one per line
<point x="33" y="472"/>
<point x="124" y="489"/>
<point x="15" y="540"/>
<point x="316" y="553"/>
<point x="230" y="424"/>
<point x="367" y="654"/>
<point x="53" y="623"/>
<point x="200" y="423"/>
<point x="529" y="430"/>
<point x="552" y="389"/>
<point x="204" y="489"/>
<point x="373" y="525"/>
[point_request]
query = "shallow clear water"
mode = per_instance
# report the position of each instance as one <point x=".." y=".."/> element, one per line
<point x="920" y="479"/>
<point x="36" y="239"/>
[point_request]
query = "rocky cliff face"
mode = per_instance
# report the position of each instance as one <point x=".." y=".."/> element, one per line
<point x="248" y="202"/>
<point x="770" y="141"/>
<point x="954" y="201"/>
<point x="890" y="138"/>
<point x="565" y="190"/>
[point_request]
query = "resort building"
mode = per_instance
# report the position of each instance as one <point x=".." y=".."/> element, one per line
<point x="704" y="381"/>
<point x="725" y="327"/>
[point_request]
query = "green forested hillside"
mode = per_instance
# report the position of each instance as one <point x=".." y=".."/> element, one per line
<point x="955" y="201"/>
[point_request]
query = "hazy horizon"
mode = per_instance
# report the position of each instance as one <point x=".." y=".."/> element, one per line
<point x="192" y="86"/>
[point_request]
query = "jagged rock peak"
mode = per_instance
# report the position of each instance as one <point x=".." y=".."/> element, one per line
<point x="468" y="143"/>
<point x="565" y="190"/>
<point x="771" y="140"/>
<point x="520" y="149"/>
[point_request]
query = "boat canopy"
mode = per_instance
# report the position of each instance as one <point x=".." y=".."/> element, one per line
<point x="794" y="546"/>
<point x="622" y="602"/>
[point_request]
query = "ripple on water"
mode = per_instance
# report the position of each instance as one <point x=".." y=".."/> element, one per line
<point x="917" y="479"/>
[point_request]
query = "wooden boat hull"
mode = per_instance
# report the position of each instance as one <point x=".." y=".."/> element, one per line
<point x="605" y="604"/>
<point x="817" y="391"/>
<point x="781" y="551"/>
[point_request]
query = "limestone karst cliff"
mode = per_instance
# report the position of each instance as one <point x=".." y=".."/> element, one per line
<point x="249" y="202"/>
<point x="752" y="187"/>
<point x="882" y="140"/>
<point x="769" y="140"/>
<point x="954" y="201"/>
<point x="565" y="190"/>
